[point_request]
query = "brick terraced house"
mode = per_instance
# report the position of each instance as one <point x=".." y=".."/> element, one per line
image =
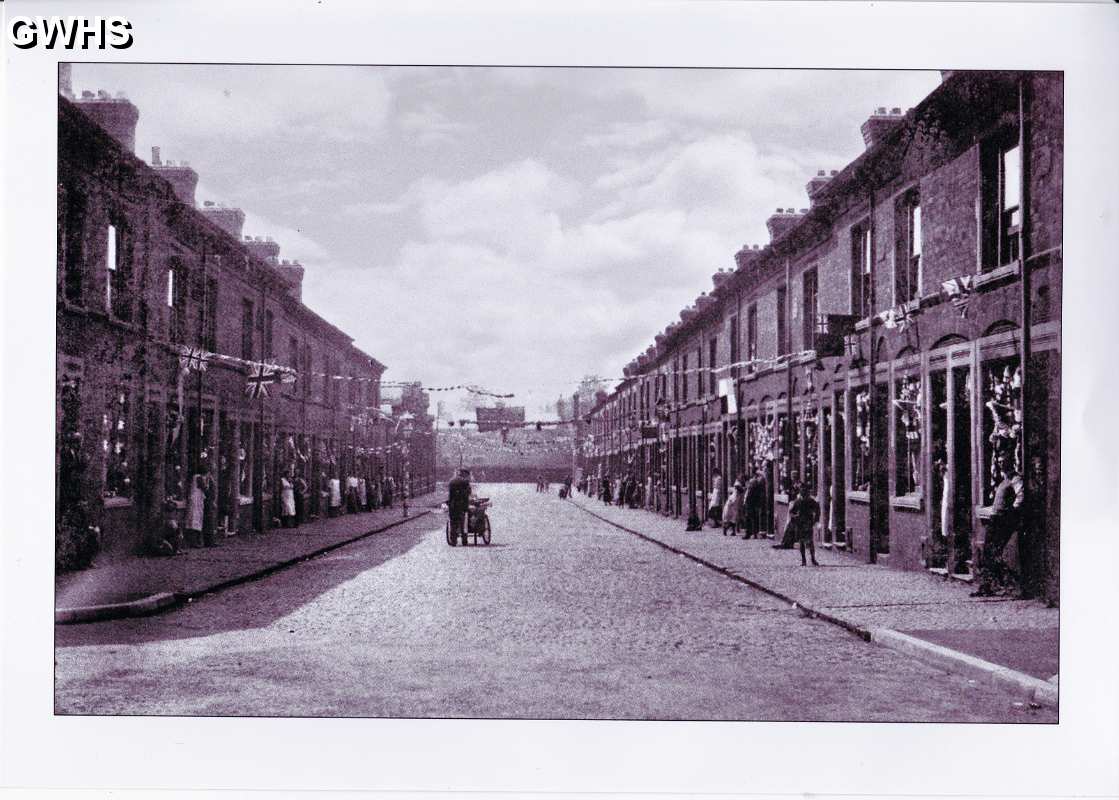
<point x="933" y="263"/>
<point x="145" y="278"/>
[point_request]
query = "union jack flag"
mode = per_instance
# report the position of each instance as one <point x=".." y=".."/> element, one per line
<point x="193" y="358"/>
<point x="259" y="377"/>
<point x="959" y="291"/>
<point x="898" y="318"/>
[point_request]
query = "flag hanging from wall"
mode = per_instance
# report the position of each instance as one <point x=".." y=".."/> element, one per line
<point x="959" y="291"/>
<point x="193" y="358"/>
<point x="259" y="377"/>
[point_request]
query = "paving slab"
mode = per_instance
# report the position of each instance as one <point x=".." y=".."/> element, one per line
<point x="1017" y="635"/>
<point x="128" y="584"/>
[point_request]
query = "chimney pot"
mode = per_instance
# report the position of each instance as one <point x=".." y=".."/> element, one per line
<point x="87" y="94"/>
<point x="155" y="157"/>
<point x="834" y="172"/>
<point x="208" y="204"/>
<point x="895" y="111"/>
<point x="103" y="95"/>
<point x="821" y="173"/>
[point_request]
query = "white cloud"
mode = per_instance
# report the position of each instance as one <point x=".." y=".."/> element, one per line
<point x="428" y="125"/>
<point x="533" y="270"/>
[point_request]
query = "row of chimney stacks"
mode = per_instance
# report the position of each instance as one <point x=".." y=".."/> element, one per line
<point x="118" y="117"/>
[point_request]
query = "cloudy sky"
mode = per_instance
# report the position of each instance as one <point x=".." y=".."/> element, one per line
<point x="514" y="228"/>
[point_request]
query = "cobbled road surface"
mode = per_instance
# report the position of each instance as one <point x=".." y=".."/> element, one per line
<point x="563" y="616"/>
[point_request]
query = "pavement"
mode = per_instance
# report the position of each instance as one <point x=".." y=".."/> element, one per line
<point x="562" y="616"/>
<point x="1005" y="642"/>
<point x="138" y="586"/>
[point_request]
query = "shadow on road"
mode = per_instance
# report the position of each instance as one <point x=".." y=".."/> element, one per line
<point x="258" y="603"/>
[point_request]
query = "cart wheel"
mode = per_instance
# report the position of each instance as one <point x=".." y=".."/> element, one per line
<point x="486" y="531"/>
<point x="450" y="536"/>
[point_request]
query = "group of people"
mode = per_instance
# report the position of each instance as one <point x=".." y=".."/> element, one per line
<point x="628" y="492"/>
<point x="296" y="505"/>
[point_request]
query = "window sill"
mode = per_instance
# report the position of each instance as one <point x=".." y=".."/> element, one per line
<point x="911" y="502"/>
<point x="118" y="502"/>
<point x="859" y="497"/>
<point x="783" y="499"/>
<point x="995" y="275"/>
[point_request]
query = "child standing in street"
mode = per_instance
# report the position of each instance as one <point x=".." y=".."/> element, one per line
<point x="804" y="514"/>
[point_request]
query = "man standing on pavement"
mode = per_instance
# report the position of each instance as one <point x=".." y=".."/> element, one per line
<point x="1006" y="512"/>
<point x="458" y="504"/>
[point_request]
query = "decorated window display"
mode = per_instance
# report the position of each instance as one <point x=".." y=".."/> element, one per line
<point x="1002" y="422"/>
<point x="907" y="436"/>
<point x="810" y="432"/>
<point x="266" y="460"/>
<point x="860" y="442"/>
<point x="785" y="470"/>
<point x="174" y="481"/>
<point x="114" y="443"/>
<point x="245" y="457"/>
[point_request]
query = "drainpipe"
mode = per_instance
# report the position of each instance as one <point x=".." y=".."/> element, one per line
<point x="872" y="404"/>
<point x="1027" y="311"/>
<point x="787" y="444"/>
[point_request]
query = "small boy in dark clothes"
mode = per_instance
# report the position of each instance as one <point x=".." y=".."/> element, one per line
<point x="805" y="513"/>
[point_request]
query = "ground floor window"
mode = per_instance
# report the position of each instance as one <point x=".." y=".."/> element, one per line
<point x="70" y="462"/>
<point x="174" y="482"/>
<point x="860" y="441"/>
<point x="784" y="449"/>
<point x="246" y="458"/>
<point x="116" y="428"/>
<point x="810" y="433"/>
<point x="1002" y="422"/>
<point x="907" y="435"/>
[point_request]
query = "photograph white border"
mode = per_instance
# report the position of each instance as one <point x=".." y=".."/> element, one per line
<point x="1078" y="756"/>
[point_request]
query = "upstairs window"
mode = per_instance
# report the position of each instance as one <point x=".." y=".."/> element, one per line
<point x="861" y="288"/>
<point x="712" y="358"/>
<point x="782" y="321"/>
<point x="699" y="383"/>
<point x="176" y="302"/>
<point x="247" y="330"/>
<point x="210" y="330"/>
<point x="74" y="246"/>
<point x="735" y="352"/>
<point x="685" y="381"/>
<point x="752" y="334"/>
<point x="809" y="306"/>
<point x="118" y="272"/>
<point x="1000" y="162"/>
<point x="269" y="319"/>
<point x="907" y="267"/>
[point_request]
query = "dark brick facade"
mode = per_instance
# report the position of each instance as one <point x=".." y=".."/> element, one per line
<point x="141" y="271"/>
<point x="880" y="469"/>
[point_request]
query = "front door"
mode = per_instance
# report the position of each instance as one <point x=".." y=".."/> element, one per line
<point x="880" y="471"/>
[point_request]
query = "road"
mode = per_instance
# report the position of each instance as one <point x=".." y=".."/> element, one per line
<point x="563" y="616"/>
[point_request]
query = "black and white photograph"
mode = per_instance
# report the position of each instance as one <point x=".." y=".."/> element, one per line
<point x="518" y="413"/>
<point x="525" y="391"/>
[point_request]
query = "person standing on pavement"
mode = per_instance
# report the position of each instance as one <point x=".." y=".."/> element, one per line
<point x="200" y="506"/>
<point x="715" y="500"/>
<point x="732" y="509"/>
<point x="300" y="487"/>
<point x="804" y="513"/>
<point x="458" y="505"/>
<point x="287" y="498"/>
<point x="1005" y="521"/>
<point x="754" y="505"/>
